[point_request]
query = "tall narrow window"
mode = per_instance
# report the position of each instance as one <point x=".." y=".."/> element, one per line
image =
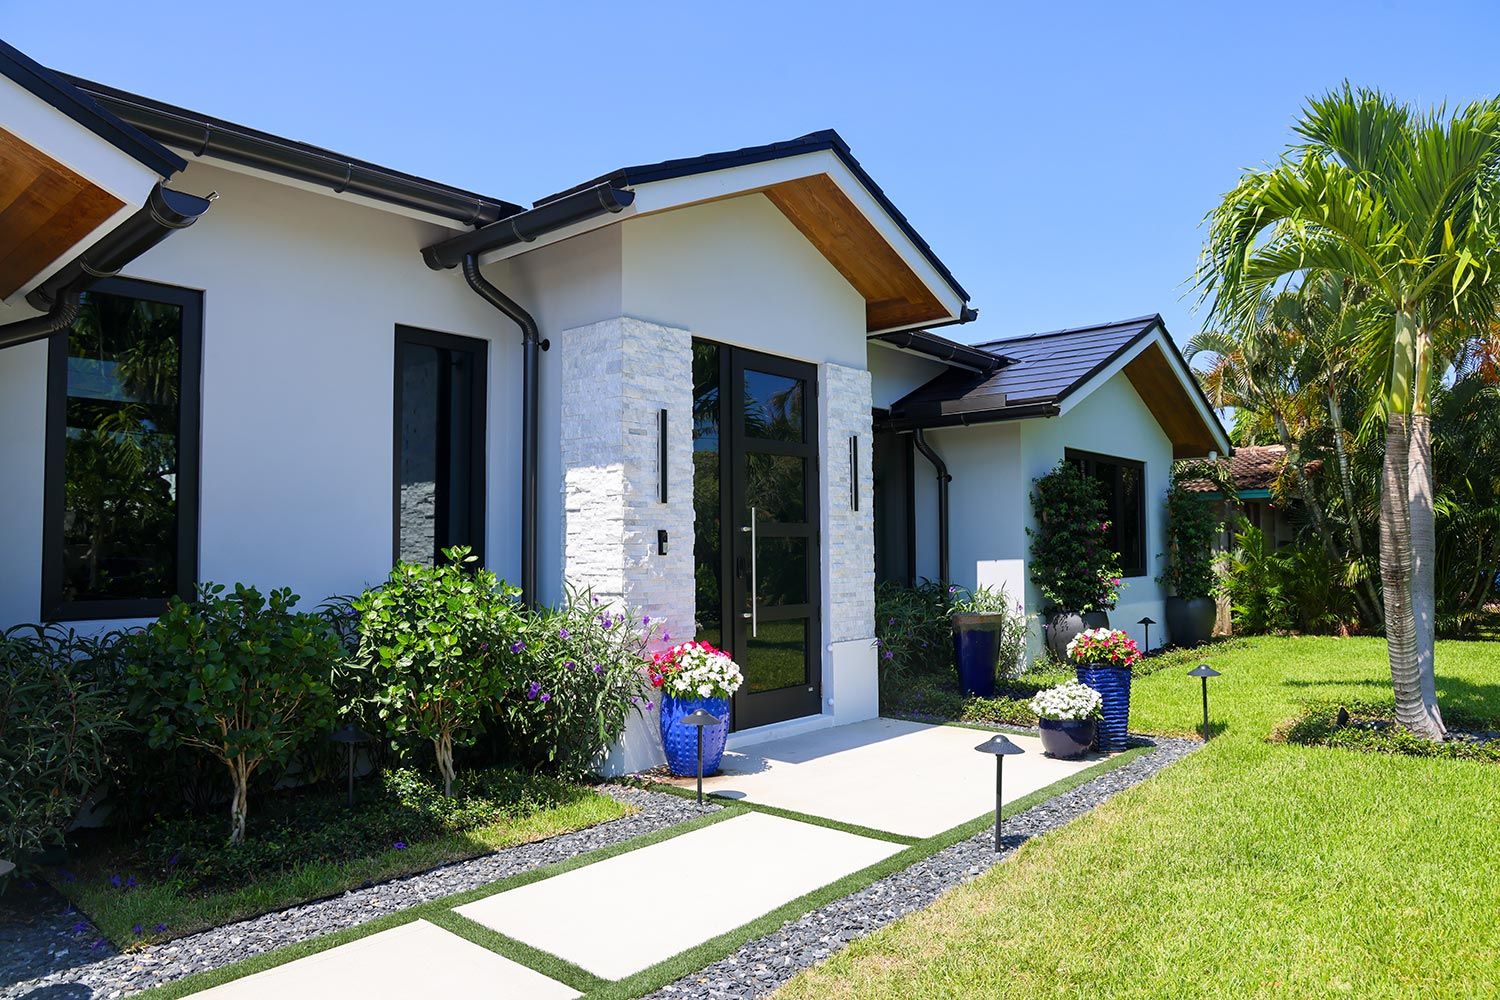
<point x="1123" y="483"/>
<point x="439" y="446"/>
<point x="121" y="506"/>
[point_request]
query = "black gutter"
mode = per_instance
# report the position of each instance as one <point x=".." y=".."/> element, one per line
<point x="916" y="422"/>
<point x="531" y="343"/>
<point x="942" y="349"/>
<point x="527" y="226"/>
<point x="49" y="86"/>
<point x="203" y="135"/>
<point x="943" y="479"/>
<point x="164" y="213"/>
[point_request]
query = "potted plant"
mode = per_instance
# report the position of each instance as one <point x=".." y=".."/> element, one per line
<point x="1068" y="716"/>
<point x="979" y="620"/>
<point x="1189" y="574"/>
<point x="1072" y="563"/>
<point x="690" y="676"/>
<point x="1104" y="658"/>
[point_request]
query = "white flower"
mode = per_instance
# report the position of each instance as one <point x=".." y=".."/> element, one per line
<point x="1070" y="700"/>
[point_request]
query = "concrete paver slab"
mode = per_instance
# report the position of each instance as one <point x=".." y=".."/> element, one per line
<point x="619" y="916"/>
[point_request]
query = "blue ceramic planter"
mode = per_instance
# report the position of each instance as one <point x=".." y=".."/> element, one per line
<point x="680" y="743"/>
<point x="1113" y="685"/>
<point x="976" y="652"/>
<point x="1067" y="739"/>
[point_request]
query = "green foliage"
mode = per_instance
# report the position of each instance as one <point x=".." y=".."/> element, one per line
<point x="1368" y="729"/>
<point x="400" y="806"/>
<point x="241" y="677"/>
<point x="1071" y="561"/>
<point x="1191" y="529"/>
<point x="58" y="720"/>
<point x="442" y="645"/>
<point x="1295" y="589"/>
<point x="912" y="633"/>
<point x="581" y="678"/>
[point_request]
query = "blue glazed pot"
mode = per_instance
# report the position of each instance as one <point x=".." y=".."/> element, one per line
<point x="976" y="650"/>
<point x="1067" y="739"/>
<point x="1113" y="685"/>
<point x="680" y="743"/>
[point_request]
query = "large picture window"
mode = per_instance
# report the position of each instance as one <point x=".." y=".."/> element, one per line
<point x="1123" y="483"/>
<point x="120" y="517"/>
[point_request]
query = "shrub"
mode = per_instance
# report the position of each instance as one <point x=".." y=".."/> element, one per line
<point x="1068" y="701"/>
<point x="985" y="600"/>
<point x="1297" y="588"/>
<point x="1071" y="561"/>
<point x="241" y="677"/>
<point x="1191" y="528"/>
<point x="911" y="630"/>
<point x="58" y="716"/>
<point x="582" y="675"/>
<point x="442" y="644"/>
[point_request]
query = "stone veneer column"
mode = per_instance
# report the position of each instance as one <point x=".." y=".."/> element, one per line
<point x="850" y="681"/>
<point x="616" y="377"/>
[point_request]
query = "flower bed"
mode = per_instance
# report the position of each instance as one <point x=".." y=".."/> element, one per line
<point x="1369" y="729"/>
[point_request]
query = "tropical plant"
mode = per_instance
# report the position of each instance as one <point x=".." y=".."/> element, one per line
<point x="1071" y="561"/>
<point x="912" y="630"/>
<point x="1292" y="589"/>
<point x="443" y="644"/>
<point x="1069" y="700"/>
<point x="58" y="720"/>
<point x="986" y="600"/>
<point x="1191" y="529"/>
<point x="240" y="676"/>
<point x="1403" y="204"/>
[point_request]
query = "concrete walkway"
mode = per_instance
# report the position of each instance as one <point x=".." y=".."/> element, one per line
<point x="625" y="914"/>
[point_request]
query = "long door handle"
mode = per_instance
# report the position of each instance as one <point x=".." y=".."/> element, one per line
<point x="754" y="613"/>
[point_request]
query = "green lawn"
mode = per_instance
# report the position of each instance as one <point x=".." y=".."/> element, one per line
<point x="1250" y="869"/>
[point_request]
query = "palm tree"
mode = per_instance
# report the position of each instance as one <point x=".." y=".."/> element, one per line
<point x="1401" y="203"/>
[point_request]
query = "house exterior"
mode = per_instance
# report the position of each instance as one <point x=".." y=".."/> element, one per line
<point x="228" y="356"/>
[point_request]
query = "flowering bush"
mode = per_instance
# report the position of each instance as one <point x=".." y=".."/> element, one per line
<point x="1070" y="700"/>
<point x="1103" y="647"/>
<point x="695" y="670"/>
<point x="1071" y="560"/>
<point x="911" y="630"/>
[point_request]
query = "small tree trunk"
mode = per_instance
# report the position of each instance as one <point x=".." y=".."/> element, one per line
<point x="1423" y="576"/>
<point x="443" y="746"/>
<point x="239" y="803"/>
<point x="1395" y="575"/>
<point x="1370" y="603"/>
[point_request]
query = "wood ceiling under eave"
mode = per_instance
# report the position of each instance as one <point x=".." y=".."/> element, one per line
<point x="45" y="208"/>
<point x="894" y="295"/>
<point x="1170" y="402"/>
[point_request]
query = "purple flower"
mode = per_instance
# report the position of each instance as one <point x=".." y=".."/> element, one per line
<point x="562" y="633"/>
<point x="598" y="668"/>
<point x="650" y="706"/>
<point x="517" y="646"/>
<point x="596" y="600"/>
<point x="172" y="861"/>
<point x="570" y="665"/>
<point x="666" y="637"/>
<point x="160" y="928"/>
<point x="399" y="845"/>
<point x="607" y="622"/>
<point x="80" y="927"/>
<point x="646" y="620"/>
<point x="889" y="655"/>
<point x="484" y="647"/>
<point x="532" y="690"/>
<point x="953" y="589"/>
<point x="116" y="881"/>
<point x="136" y="930"/>
<point x="546" y="697"/>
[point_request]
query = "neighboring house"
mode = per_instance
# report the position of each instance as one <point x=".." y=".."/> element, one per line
<point x="656" y="384"/>
<point x="1253" y="471"/>
<point x="1117" y="398"/>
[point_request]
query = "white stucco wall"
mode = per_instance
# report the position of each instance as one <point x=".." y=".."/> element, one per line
<point x="895" y="373"/>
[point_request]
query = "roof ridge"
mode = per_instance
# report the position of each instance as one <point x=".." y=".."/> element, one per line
<point x="1070" y="329"/>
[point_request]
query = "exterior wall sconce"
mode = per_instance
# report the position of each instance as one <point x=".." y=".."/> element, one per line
<point x="661" y="454"/>
<point x="854" y="472"/>
<point x="1204" y="672"/>
<point x="1001" y="748"/>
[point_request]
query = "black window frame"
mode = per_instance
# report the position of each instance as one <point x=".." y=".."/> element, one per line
<point x="478" y="438"/>
<point x="189" y="451"/>
<point x="1085" y="459"/>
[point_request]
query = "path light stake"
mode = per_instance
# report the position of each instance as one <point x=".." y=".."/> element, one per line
<point x="699" y="719"/>
<point x="1204" y="671"/>
<point x="1146" y="624"/>
<point x="350" y="736"/>
<point x="1001" y="748"/>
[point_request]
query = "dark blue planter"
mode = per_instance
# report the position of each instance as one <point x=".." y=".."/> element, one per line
<point x="1067" y="739"/>
<point x="976" y="650"/>
<point x="680" y="743"/>
<point x="1113" y="685"/>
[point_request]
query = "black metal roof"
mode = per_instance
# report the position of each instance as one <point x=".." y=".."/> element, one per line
<point x="1038" y="372"/>
<point x="826" y="139"/>
<point x="63" y="95"/>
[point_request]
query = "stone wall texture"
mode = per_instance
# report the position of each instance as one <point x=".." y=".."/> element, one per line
<point x="848" y="534"/>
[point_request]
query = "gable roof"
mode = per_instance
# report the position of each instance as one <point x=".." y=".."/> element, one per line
<point x="1253" y="469"/>
<point x="1044" y="374"/>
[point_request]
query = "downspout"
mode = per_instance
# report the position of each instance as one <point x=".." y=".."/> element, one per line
<point x="531" y="343"/>
<point x="62" y="313"/>
<point x="943" y="479"/>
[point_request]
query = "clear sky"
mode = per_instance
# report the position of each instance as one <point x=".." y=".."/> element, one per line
<point x="1058" y="156"/>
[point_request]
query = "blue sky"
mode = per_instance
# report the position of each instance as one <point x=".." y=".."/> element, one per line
<point x="1058" y="156"/>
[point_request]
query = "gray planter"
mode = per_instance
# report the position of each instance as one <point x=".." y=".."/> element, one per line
<point x="1062" y="627"/>
<point x="1190" y="621"/>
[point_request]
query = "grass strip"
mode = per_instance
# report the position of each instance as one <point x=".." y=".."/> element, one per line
<point x="271" y="959"/>
<point x="700" y="956"/>
<point x="548" y="964"/>
<point x="801" y="817"/>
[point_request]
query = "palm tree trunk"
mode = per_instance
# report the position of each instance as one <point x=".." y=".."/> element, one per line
<point x="1395" y="575"/>
<point x="1423" y="575"/>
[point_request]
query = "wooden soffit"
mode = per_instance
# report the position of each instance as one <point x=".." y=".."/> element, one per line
<point x="894" y="295"/>
<point x="1171" y="403"/>
<point x="45" y="208"/>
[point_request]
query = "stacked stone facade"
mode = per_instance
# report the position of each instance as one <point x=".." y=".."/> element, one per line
<point x="848" y="534"/>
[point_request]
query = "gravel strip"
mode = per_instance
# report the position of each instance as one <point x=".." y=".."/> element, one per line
<point x="62" y="955"/>
<point x="762" y="965"/>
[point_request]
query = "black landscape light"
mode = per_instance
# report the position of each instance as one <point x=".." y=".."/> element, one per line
<point x="351" y="736"/>
<point x="1146" y="624"/>
<point x="698" y="720"/>
<point x="1001" y="748"/>
<point x="1204" y="671"/>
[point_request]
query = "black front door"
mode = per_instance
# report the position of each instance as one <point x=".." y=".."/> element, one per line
<point x="756" y="542"/>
